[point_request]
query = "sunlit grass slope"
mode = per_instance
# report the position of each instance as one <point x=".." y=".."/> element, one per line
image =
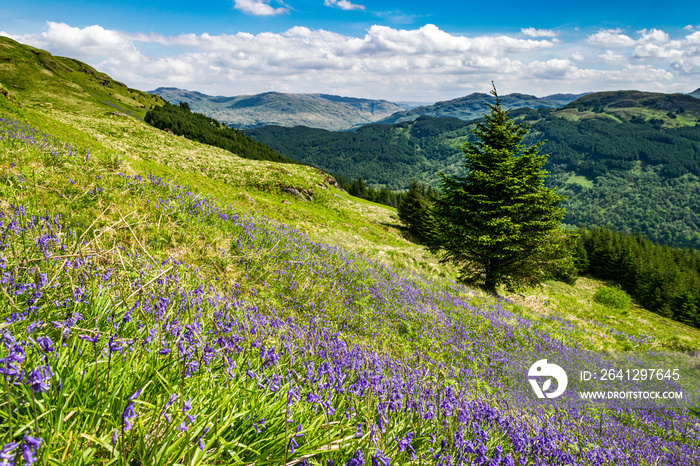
<point x="165" y="302"/>
<point x="37" y="77"/>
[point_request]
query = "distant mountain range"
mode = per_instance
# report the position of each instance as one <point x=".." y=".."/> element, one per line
<point x="472" y="106"/>
<point x="325" y="111"/>
<point x="336" y="113"/>
<point x="629" y="104"/>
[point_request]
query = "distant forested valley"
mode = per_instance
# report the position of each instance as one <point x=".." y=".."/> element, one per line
<point x="634" y="176"/>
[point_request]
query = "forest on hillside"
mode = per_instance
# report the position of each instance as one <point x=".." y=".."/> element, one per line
<point x="663" y="279"/>
<point x="633" y="176"/>
<point x="598" y="146"/>
<point x="383" y="155"/>
<point x="182" y="121"/>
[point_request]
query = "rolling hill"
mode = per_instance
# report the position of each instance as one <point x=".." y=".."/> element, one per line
<point x="628" y="105"/>
<point x="275" y="108"/>
<point x="167" y="302"/>
<point x="475" y="105"/>
<point x="36" y="77"/>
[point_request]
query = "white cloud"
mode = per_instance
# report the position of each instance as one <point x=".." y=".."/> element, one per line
<point x="611" y="56"/>
<point x="343" y="4"/>
<point x="693" y="39"/>
<point x="532" y="32"/>
<point x="611" y="38"/>
<point x="653" y="36"/>
<point x="689" y="27"/>
<point x="90" y="43"/>
<point x="688" y="66"/>
<point x="655" y="51"/>
<point x="426" y="63"/>
<point x="258" y="8"/>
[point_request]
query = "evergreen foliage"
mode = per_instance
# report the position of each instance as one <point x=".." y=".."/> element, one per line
<point x="358" y="188"/>
<point x="663" y="279"/>
<point x="413" y="209"/>
<point x="182" y="121"/>
<point x="597" y="146"/>
<point x="383" y="155"/>
<point x="499" y="222"/>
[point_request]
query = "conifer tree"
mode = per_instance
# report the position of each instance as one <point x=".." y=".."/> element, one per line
<point x="412" y="208"/>
<point x="499" y="222"/>
<point x="358" y="188"/>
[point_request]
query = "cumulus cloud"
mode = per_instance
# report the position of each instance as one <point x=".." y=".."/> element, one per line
<point x="343" y="5"/>
<point x="687" y="66"/>
<point x="90" y="43"/>
<point x="611" y="56"/>
<point x="425" y="63"/>
<point x="655" y="51"/>
<point x="653" y="36"/>
<point x="532" y="32"/>
<point x="258" y="8"/>
<point x="611" y="38"/>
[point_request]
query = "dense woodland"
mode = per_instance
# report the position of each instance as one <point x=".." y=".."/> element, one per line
<point x="182" y="121"/>
<point x="597" y="146"/>
<point x="632" y="176"/>
<point x="383" y="155"/>
<point x="663" y="279"/>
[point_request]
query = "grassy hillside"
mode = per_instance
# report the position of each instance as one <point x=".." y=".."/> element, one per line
<point x="180" y="120"/>
<point x="166" y="302"/>
<point x="276" y="108"/>
<point x="35" y="76"/>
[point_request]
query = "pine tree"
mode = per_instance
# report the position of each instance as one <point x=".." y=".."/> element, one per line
<point x="498" y="221"/>
<point x="412" y="208"/>
<point x="358" y="188"/>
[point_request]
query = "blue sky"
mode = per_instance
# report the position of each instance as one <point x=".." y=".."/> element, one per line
<point x="422" y="51"/>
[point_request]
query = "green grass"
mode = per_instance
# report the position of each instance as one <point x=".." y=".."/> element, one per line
<point x="372" y="292"/>
<point x="597" y="325"/>
<point x="37" y="78"/>
<point x="580" y="180"/>
<point x="333" y="216"/>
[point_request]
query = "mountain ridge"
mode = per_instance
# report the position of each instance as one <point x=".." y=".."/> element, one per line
<point x="472" y="106"/>
<point x="319" y="110"/>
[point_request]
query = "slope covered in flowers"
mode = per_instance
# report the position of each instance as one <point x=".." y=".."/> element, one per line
<point x="144" y="323"/>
